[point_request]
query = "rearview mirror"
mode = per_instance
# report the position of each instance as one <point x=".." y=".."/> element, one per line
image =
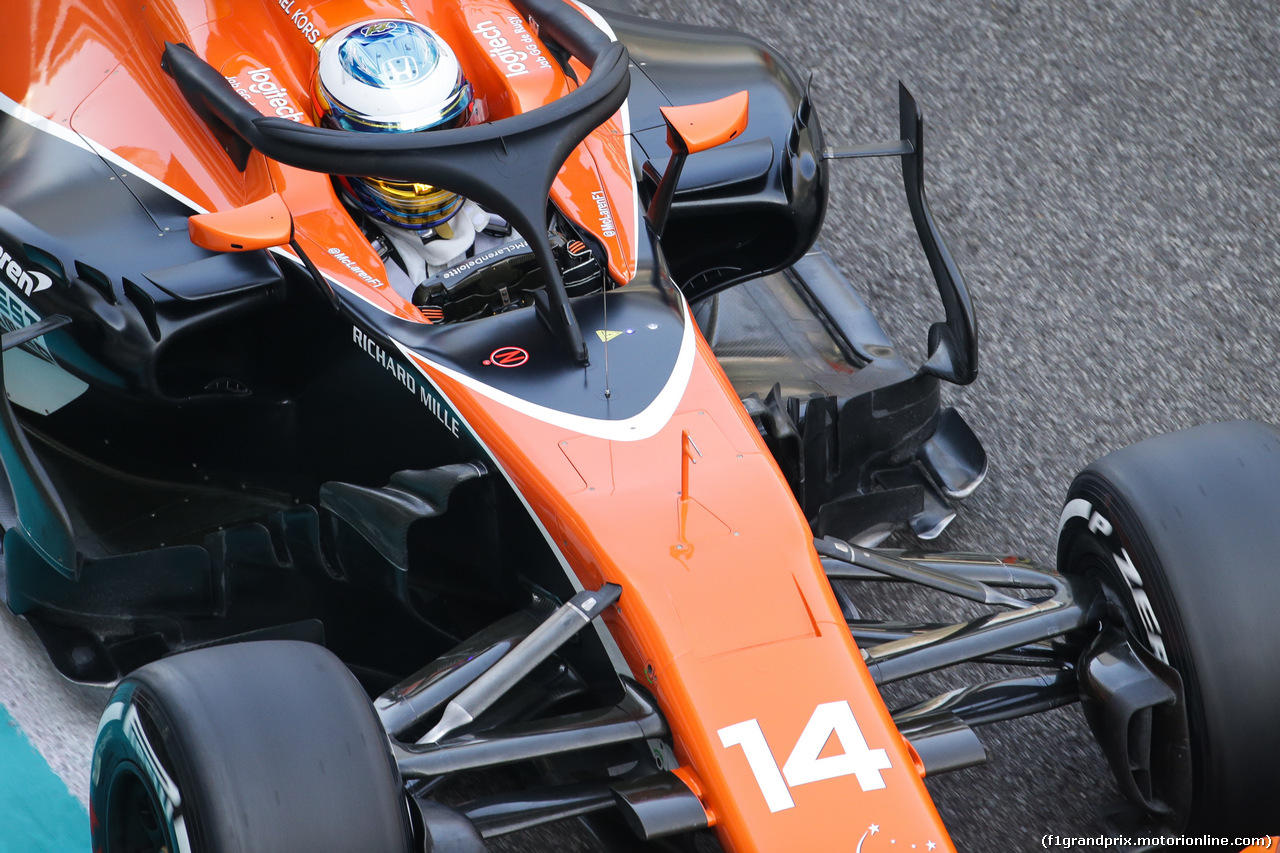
<point x="261" y="224"/>
<point x="697" y="127"/>
<point x="691" y="129"/>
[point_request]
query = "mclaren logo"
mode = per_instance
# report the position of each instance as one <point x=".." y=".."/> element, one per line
<point x="28" y="281"/>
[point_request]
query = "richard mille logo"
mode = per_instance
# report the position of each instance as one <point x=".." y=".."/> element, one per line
<point x="406" y="378"/>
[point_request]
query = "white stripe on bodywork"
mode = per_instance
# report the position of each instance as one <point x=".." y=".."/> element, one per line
<point x="66" y="134"/>
<point x="39" y="122"/>
<point x="685" y="358"/>
<point x="606" y="639"/>
<point x="635" y="428"/>
<point x="625" y="110"/>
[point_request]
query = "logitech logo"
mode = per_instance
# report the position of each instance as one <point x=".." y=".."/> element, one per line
<point x="28" y="281"/>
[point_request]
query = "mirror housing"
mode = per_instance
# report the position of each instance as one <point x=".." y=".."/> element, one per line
<point x="697" y="127"/>
<point x="690" y="129"/>
<point x="262" y="224"/>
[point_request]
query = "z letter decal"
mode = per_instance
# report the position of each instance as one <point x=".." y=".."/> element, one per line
<point x="804" y="764"/>
<point x="507" y="357"/>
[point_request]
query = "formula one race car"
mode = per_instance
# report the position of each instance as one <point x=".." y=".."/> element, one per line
<point x="475" y="357"/>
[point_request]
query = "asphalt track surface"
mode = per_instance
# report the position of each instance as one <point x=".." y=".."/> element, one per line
<point x="1108" y="174"/>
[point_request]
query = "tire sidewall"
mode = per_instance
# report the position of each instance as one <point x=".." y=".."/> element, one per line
<point x="1194" y="515"/>
<point x="264" y="745"/>
<point x="131" y="740"/>
<point x="1099" y="536"/>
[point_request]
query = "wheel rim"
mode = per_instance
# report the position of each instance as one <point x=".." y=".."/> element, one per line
<point x="133" y="821"/>
<point x="1095" y="558"/>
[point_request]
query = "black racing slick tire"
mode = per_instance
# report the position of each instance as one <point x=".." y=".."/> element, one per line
<point x="269" y="747"/>
<point x="1183" y="532"/>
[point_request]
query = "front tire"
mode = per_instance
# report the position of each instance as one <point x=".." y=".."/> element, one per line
<point x="269" y="747"/>
<point x="1183" y="533"/>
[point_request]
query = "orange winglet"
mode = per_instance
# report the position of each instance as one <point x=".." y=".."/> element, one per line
<point x="258" y="225"/>
<point x="690" y="778"/>
<point x="703" y="126"/>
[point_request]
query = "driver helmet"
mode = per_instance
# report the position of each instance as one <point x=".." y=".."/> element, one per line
<point x="393" y="76"/>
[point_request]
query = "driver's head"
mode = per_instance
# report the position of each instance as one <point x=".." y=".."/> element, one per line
<point x="393" y="77"/>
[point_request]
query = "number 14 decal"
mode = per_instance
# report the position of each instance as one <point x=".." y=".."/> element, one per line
<point x="803" y="765"/>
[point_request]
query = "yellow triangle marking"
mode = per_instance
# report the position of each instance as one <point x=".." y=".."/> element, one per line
<point x="606" y="335"/>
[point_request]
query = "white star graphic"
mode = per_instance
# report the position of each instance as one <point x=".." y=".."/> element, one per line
<point x="931" y="845"/>
<point x="875" y="827"/>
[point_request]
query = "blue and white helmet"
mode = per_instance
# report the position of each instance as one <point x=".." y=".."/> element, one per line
<point x="394" y="76"/>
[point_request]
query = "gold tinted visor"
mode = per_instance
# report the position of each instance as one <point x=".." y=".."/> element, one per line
<point x="408" y="204"/>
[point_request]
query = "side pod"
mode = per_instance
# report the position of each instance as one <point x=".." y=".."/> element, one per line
<point x="46" y="525"/>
